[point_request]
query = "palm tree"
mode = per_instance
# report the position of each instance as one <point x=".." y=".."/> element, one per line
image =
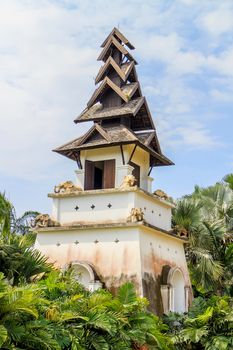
<point x="10" y="223"/>
<point x="5" y="215"/>
<point x="229" y="180"/>
<point x="19" y="261"/>
<point x="22" y="225"/>
<point x="207" y="215"/>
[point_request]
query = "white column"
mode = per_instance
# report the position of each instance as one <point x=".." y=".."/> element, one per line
<point x="171" y="299"/>
<point x="186" y="294"/>
<point x="165" y="297"/>
<point x="80" y="178"/>
<point x="149" y="183"/>
<point x="121" y="172"/>
<point x="55" y="215"/>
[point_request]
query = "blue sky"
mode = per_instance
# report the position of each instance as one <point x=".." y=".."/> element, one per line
<point x="48" y="52"/>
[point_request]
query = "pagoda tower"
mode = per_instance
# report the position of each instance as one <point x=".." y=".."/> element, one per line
<point x="110" y="226"/>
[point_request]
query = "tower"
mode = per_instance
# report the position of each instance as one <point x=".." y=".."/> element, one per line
<point x="110" y="226"/>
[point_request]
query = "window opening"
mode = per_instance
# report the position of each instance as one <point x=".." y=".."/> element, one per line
<point x="98" y="175"/>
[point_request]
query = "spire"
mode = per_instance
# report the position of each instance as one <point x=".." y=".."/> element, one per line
<point x="118" y="35"/>
<point x="108" y="50"/>
<point x="117" y="77"/>
<point x="117" y="105"/>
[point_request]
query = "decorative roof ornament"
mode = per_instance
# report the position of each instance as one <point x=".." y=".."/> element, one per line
<point x="119" y="111"/>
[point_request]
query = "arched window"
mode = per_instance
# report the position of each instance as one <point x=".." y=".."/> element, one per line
<point x="177" y="292"/>
<point x="85" y="275"/>
<point x="174" y="292"/>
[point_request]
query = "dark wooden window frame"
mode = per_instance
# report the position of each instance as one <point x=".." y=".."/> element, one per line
<point x="108" y="174"/>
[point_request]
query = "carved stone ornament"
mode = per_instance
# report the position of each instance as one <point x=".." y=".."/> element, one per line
<point x="67" y="187"/>
<point x="161" y="194"/>
<point x="136" y="214"/>
<point x="180" y="231"/>
<point x="44" y="220"/>
<point x="128" y="181"/>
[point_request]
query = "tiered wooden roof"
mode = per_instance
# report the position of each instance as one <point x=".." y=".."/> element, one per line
<point x="119" y="111"/>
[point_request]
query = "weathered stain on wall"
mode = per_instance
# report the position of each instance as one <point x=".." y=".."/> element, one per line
<point x="151" y="290"/>
<point x="119" y="254"/>
<point x="160" y="254"/>
<point x="115" y="263"/>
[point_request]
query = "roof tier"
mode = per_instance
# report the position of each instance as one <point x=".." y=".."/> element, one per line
<point x="98" y="137"/>
<point x="119" y="111"/>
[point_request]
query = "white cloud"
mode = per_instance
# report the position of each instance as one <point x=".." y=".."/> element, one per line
<point x="46" y="79"/>
<point x="219" y="21"/>
<point x="222" y="90"/>
<point x="221" y="96"/>
<point x="188" y="136"/>
<point x="196" y="136"/>
<point x="223" y="63"/>
<point x="180" y="122"/>
<point x="173" y="51"/>
<point x="48" y="56"/>
<point x="189" y="2"/>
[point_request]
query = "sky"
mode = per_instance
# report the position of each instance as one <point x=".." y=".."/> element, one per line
<point x="48" y="52"/>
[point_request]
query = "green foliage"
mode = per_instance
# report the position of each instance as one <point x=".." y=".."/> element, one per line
<point x="208" y="326"/>
<point x="126" y="294"/>
<point x="229" y="180"/>
<point x="207" y="216"/>
<point x="44" y="309"/>
<point x="54" y="312"/>
<point x="10" y="223"/>
<point x="19" y="261"/>
<point x="57" y="313"/>
<point x="5" y="215"/>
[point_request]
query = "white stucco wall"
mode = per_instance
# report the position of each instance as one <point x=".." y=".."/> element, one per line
<point x="140" y="158"/>
<point x="113" y="262"/>
<point x="159" y="250"/>
<point x="121" y="205"/>
<point x="156" y="212"/>
<point x="165" y="248"/>
<point x="118" y="254"/>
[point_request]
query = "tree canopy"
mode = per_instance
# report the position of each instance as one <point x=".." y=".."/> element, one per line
<point x="46" y="309"/>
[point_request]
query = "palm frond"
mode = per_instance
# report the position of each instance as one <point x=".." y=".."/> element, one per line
<point x="126" y="294"/>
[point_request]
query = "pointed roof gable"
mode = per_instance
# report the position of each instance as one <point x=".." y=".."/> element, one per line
<point x="150" y="139"/>
<point x="123" y="71"/>
<point x="106" y="83"/>
<point x="97" y="112"/>
<point x="95" y="129"/>
<point x="118" y="97"/>
<point x="129" y="71"/>
<point x="116" y="33"/>
<point x="113" y="42"/>
<point x="113" y="136"/>
<point x="136" y="108"/>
